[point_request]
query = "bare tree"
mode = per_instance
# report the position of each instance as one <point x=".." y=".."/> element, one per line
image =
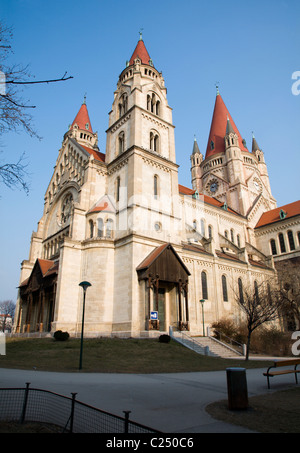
<point x="260" y="304"/>
<point x="7" y="310"/>
<point x="14" y="110"/>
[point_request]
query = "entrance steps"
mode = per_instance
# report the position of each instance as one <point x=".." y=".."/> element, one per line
<point x="205" y="345"/>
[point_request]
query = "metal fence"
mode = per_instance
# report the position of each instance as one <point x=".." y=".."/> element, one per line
<point x="72" y="416"/>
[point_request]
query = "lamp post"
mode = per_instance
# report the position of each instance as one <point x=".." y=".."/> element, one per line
<point x="84" y="286"/>
<point x="202" y="303"/>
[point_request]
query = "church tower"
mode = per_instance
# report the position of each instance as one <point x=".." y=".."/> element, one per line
<point x="140" y="146"/>
<point x="230" y="172"/>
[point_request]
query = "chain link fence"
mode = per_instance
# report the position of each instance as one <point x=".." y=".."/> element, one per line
<point x="37" y="405"/>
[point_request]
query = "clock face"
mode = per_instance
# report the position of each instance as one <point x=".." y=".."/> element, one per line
<point x="213" y="187"/>
<point x="256" y="185"/>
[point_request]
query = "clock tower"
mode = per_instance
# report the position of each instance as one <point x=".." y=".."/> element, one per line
<point x="230" y="172"/>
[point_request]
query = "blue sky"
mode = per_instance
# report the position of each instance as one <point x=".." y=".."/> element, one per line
<point x="250" y="48"/>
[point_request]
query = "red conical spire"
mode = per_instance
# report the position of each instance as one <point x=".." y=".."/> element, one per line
<point x="82" y="118"/>
<point x="216" y="143"/>
<point x="140" y="52"/>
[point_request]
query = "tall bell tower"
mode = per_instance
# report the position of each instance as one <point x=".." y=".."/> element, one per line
<point x="140" y="144"/>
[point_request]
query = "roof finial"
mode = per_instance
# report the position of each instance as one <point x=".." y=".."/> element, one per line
<point x="84" y="98"/>
<point x="217" y="87"/>
<point x="141" y="34"/>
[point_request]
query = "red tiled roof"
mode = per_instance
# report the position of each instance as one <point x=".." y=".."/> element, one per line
<point x="141" y="52"/>
<point x="291" y="210"/>
<point x="82" y="119"/>
<point x="102" y="206"/>
<point x="45" y="265"/>
<point x="97" y="155"/>
<point x="207" y="199"/>
<point x="218" y="129"/>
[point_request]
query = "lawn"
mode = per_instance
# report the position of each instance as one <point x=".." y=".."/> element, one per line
<point x="278" y="412"/>
<point x="111" y="355"/>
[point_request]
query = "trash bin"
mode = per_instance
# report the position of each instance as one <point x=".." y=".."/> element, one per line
<point x="237" y="388"/>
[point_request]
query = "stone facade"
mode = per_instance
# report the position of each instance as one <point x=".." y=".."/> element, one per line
<point x="112" y="218"/>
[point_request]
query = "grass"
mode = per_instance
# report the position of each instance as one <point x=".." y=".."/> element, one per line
<point x="111" y="355"/>
<point x="278" y="412"/>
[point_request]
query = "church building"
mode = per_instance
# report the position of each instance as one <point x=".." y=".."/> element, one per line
<point x="151" y="248"/>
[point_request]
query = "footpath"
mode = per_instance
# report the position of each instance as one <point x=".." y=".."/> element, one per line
<point x="171" y="403"/>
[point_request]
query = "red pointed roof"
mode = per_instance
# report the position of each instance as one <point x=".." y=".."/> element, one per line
<point x="140" y="52"/>
<point x="218" y="129"/>
<point x="290" y="210"/>
<point x="82" y="119"/>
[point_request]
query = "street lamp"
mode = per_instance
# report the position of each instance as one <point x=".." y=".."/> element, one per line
<point x="84" y="286"/>
<point x="202" y="303"/>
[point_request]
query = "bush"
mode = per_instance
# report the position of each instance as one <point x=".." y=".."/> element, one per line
<point x="61" y="336"/>
<point x="164" y="338"/>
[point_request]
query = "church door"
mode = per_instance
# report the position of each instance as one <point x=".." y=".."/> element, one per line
<point x="161" y="309"/>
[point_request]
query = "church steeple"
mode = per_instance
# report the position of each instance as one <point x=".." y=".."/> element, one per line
<point x="82" y="119"/>
<point x="81" y="128"/>
<point x="219" y="124"/>
<point x="141" y="52"/>
<point x="196" y="160"/>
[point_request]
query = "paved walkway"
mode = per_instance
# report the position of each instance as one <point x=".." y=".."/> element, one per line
<point x="172" y="403"/>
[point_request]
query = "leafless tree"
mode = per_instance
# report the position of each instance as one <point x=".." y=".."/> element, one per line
<point x="7" y="310"/>
<point x="14" y="110"/>
<point x="260" y="304"/>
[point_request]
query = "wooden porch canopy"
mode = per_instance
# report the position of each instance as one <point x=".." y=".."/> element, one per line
<point x="163" y="264"/>
<point x="35" y="290"/>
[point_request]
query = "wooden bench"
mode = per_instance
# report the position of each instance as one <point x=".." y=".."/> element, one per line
<point x="283" y="363"/>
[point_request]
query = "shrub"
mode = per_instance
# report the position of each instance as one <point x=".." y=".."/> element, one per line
<point x="61" y="336"/>
<point x="164" y="338"/>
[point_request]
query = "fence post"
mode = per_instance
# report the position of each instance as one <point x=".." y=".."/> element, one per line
<point x="72" y="411"/>
<point x="22" y="419"/>
<point x="126" y="423"/>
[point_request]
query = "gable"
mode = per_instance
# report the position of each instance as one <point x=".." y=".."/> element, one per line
<point x="165" y="263"/>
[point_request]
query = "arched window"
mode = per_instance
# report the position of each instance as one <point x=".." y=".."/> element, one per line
<point x="241" y="291"/>
<point x="298" y="237"/>
<point x="123" y="104"/>
<point x="157" y="108"/>
<point x="149" y="102"/>
<point x="291" y="240"/>
<point x="282" y="243"/>
<point x="238" y="239"/>
<point x="202" y="226"/>
<point x="100" y="228"/>
<point x="273" y="247"/>
<point x="210" y="231"/>
<point x="224" y="288"/>
<point x="109" y="228"/>
<point x="154" y="141"/>
<point x="256" y="292"/>
<point x="156" y="186"/>
<point x="91" y="226"/>
<point x="195" y="224"/>
<point x="121" y="143"/>
<point x="118" y="183"/>
<point x="204" y="285"/>
<point x="232" y="235"/>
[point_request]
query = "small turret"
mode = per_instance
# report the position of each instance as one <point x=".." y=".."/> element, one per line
<point x="196" y="160"/>
<point x="81" y="128"/>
